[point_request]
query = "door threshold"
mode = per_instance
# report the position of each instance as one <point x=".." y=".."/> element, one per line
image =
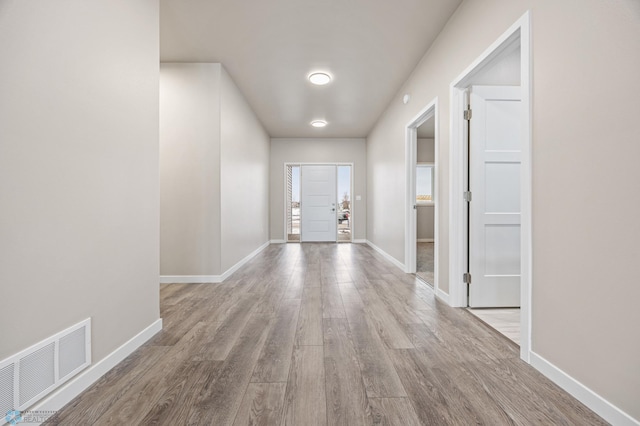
<point x="424" y="280"/>
<point x="505" y="321"/>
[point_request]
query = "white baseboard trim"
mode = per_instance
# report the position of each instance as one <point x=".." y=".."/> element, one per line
<point x="247" y="258"/>
<point x="79" y="384"/>
<point x="425" y="240"/>
<point x="361" y="241"/>
<point x="190" y="279"/>
<point x="203" y="279"/>
<point x="595" y="402"/>
<point x="278" y="242"/>
<point x="386" y="255"/>
<point x="443" y="296"/>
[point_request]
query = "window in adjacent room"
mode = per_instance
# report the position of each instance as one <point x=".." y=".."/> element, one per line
<point x="424" y="184"/>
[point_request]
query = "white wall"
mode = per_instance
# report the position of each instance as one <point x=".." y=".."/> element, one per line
<point x="190" y="169"/>
<point x="318" y="151"/>
<point x="425" y="222"/>
<point x="425" y="218"/>
<point x="585" y="66"/>
<point x="244" y="174"/>
<point x="214" y="162"/>
<point x="78" y="170"/>
<point x="426" y="150"/>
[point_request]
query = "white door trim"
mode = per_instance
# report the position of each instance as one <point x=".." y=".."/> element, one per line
<point x="518" y="33"/>
<point x="411" y="154"/>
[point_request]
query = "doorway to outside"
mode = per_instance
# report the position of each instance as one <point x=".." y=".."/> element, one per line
<point x="490" y="181"/>
<point x="318" y="202"/>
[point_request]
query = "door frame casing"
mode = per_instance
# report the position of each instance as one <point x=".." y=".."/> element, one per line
<point x="284" y="202"/>
<point x="411" y="227"/>
<point x="519" y="32"/>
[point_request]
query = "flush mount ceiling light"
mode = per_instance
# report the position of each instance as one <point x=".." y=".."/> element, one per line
<point x="319" y="78"/>
<point x="318" y="123"/>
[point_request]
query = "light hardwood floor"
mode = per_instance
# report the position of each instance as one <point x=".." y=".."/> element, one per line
<point x="317" y="334"/>
<point x="505" y="320"/>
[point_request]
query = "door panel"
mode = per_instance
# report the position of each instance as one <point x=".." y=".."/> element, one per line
<point x="501" y="137"/>
<point x="502" y="187"/>
<point x="502" y="250"/>
<point x="318" y="203"/>
<point x="494" y="213"/>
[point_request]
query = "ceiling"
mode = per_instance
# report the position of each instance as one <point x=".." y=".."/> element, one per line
<point x="270" y="47"/>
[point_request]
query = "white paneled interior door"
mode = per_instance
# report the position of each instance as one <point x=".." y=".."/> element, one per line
<point x="494" y="215"/>
<point x="318" y="203"/>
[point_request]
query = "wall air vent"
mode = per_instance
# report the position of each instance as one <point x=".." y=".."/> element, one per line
<point x="36" y="373"/>
<point x="33" y="373"/>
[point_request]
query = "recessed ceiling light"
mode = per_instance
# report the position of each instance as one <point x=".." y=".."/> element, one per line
<point x="318" y="123"/>
<point x="320" y="78"/>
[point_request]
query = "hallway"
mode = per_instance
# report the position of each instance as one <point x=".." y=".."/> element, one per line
<point x="309" y="334"/>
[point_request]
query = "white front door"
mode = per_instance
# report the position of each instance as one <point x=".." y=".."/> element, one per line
<point x="318" y="203"/>
<point x="494" y="212"/>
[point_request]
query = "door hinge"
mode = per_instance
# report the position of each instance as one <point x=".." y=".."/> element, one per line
<point x="415" y="207"/>
<point x="466" y="278"/>
<point x="467" y="114"/>
<point x="467" y="196"/>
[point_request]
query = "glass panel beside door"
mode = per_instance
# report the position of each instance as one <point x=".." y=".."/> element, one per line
<point x="293" y="203"/>
<point x="344" y="203"/>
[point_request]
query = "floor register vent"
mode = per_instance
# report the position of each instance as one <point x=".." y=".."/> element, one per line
<point x="33" y="373"/>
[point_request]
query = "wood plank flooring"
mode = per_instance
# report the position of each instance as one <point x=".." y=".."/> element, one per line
<point x="321" y="334"/>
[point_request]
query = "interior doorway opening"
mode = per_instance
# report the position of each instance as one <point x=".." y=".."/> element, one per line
<point x="514" y="44"/>
<point x="421" y="211"/>
<point x="494" y="161"/>
<point x="425" y="201"/>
